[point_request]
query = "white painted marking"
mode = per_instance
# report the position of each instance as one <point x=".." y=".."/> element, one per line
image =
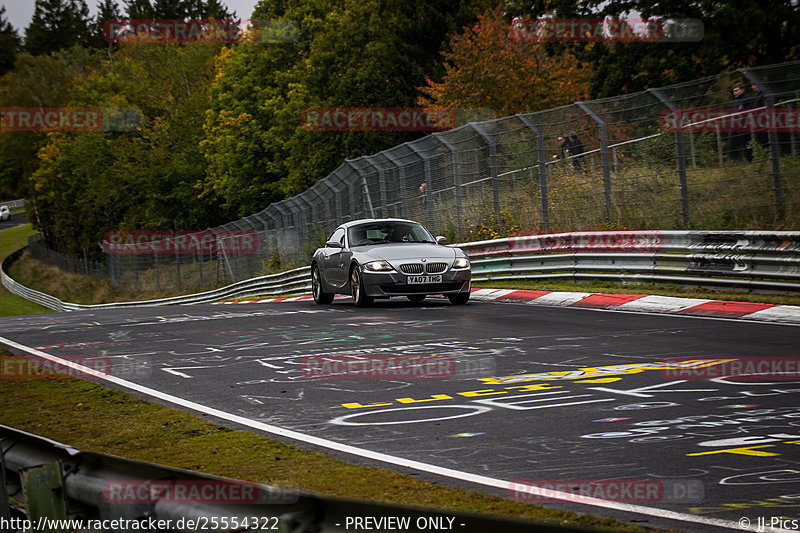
<point x="782" y="313"/>
<point x="377" y="456"/>
<point x="561" y="298"/>
<point x="661" y="304"/>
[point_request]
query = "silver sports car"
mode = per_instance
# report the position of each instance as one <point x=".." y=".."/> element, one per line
<point x="381" y="258"/>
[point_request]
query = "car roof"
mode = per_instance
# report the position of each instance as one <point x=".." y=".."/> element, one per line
<point x="368" y="220"/>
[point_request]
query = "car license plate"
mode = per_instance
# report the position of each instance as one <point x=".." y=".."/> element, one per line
<point x="423" y="280"/>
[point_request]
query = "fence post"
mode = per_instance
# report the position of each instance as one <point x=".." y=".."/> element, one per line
<point x="603" y="154"/>
<point x="384" y="207"/>
<point x="364" y="187"/>
<point x="492" y="163"/>
<point x="679" y="154"/>
<point x="401" y="174"/>
<point x="426" y="165"/>
<point x="457" y="193"/>
<point x="542" y="165"/>
<point x="772" y="139"/>
<point x="155" y="264"/>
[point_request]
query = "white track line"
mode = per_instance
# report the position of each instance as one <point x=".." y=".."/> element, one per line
<point x="378" y="456"/>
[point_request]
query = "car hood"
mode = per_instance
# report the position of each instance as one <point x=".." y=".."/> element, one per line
<point x="401" y="251"/>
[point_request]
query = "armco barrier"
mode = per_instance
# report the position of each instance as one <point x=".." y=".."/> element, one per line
<point x="751" y="260"/>
<point x="46" y="481"/>
<point x="297" y="280"/>
<point x="14" y="204"/>
<point x="755" y="260"/>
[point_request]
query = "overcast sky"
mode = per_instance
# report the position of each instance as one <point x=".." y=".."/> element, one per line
<point x="19" y="12"/>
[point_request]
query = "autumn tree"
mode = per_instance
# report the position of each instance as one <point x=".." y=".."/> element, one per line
<point x="490" y="66"/>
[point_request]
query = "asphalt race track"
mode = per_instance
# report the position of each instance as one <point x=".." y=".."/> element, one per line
<point x="504" y="396"/>
<point x="16" y="219"/>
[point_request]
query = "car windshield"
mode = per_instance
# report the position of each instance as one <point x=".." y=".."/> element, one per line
<point x="382" y="232"/>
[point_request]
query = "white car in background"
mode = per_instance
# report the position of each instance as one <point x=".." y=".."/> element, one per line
<point x="5" y="212"/>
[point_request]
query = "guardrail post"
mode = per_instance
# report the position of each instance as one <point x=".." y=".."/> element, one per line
<point x="43" y="490"/>
<point x="457" y="193"/>
<point x="542" y="165"/>
<point x="603" y="154"/>
<point x="680" y="156"/>
<point x="492" y="163"/>
<point x="5" y="507"/>
<point x="772" y="139"/>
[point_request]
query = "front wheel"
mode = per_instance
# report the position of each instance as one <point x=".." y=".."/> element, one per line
<point x="458" y="299"/>
<point x="357" y="289"/>
<point x="320" y="296"/>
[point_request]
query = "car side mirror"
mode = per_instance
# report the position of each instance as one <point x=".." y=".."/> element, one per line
<point x="441" y="240"/>
<point x="333" y="244"/>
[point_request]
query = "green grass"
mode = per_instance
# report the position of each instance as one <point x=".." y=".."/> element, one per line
<point x="11" y="240"/>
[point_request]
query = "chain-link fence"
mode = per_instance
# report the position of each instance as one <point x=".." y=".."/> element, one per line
<point x="612" y="163"/>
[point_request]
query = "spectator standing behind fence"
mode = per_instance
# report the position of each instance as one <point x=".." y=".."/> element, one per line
<point x="759" y="101"/>
<point x="565" y="144"/>
<point x="576" y="149"/>
<point x="738" y="140"/>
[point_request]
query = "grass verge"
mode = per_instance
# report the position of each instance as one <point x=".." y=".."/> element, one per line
<point x="11" y="240"/>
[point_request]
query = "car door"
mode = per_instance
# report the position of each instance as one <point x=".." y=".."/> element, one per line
<point x="333" y="261"/>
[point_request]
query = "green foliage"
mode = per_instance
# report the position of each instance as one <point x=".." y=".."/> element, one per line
<point x="56" y="25"/>
<point x="92" y="182"/>
<point x="9" y="43"/>
<point x="41" y="81"/>
<point x="492" y="225"/>
<point x="347" y="54"/>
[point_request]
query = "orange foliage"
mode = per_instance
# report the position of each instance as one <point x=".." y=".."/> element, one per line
<point x="488" y="68"/>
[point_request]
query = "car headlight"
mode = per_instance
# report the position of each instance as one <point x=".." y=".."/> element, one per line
<point x="378" y="266"/>
<point x="461" y="262"/>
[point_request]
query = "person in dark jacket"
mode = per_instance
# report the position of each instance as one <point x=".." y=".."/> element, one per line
<point x="576" y="149"/>
<point x="738" y="140"/>
<point x="566" y="146"/>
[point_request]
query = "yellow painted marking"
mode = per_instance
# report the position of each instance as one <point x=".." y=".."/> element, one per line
<point x="433" y="398"/>
<point x="750" y="450"/>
